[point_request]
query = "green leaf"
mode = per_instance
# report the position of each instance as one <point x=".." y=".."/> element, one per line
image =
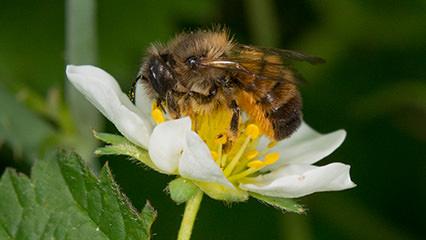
<point x="121" y="146"/>
<point x="181" y="190"/>
<point x="286" y="204"/>
<point x="64" y="200"/>
<point x="24" y="131"/>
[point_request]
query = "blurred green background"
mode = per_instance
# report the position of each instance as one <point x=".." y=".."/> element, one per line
<point x="373" y="85"/>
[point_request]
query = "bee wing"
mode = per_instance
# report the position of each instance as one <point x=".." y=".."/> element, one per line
<point x="264" y="63"/>
<point x="287" y="57"/>
<point x="267" y="89"/>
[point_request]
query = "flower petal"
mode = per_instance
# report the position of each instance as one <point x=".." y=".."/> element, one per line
<point x="167" y="142"/>
<point x="142" y="100"/>
<point x="299" y="180"/>
<point x="102" y="90"/>
<point x="306" y="146"/>
<point x="197" y="163"/>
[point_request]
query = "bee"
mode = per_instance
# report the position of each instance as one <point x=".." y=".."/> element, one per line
<point x="202" y="71"/>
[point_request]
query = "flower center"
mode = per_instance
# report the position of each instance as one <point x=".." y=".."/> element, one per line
<point x="234" y="152"/>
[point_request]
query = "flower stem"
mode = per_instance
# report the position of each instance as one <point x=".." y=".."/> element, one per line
<point x="81" y="48"/>
<point x="191" y="210"/>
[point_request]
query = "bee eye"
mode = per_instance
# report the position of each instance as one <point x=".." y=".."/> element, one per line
<point x="193" y="62"/>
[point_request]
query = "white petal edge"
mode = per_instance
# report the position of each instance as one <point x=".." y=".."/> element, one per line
<point x="103" y="91"/>
<point x="197" y="163"/>
<point x="306" y="146"/>
<point x="299" y="180"/>
<point x="142" y="100"/>
<point x="167" y="142"/>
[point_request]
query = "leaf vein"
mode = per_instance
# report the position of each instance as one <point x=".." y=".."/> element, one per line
<point x="15" y="191"/>
<point x="81" y="208"/>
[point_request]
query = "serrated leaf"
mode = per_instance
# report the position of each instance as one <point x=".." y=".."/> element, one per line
<point x="286" y="204"/>
<point x="121" y="146"/>
<point x="64" y="200"/>
<point x="181" y="190"/>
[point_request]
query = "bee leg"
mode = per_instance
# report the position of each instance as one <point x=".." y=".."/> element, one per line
<point x="132" y="92"/>
<point x="235" y="117"/>
<point x="159" y="104"/>
<point x="235" y="120"/>
<point x="172" y="106"/>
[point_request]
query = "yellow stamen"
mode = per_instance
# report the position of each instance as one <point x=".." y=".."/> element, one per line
<point x="157" y="115"/>
<point x="228" y="170"/>
<point x="252" y="154"/>
<point x="220" y="151"/>
<point x="154" y="105"/>
<point x="242" y="164"/>
<point x="272" y="144"/>
<point x="252" y="130"/>
<point x="215" y="156"/>
<point x="271" y="158"/>
<point x="221" y="139"/>
<point x="256" y="164"/>
<point x="243" y="174"/>
<point x="223" y="160"/>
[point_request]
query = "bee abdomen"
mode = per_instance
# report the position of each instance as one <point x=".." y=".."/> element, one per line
<point x="286" y="118"/>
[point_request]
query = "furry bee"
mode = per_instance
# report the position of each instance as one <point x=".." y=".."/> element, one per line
<point x="199" y="72"/>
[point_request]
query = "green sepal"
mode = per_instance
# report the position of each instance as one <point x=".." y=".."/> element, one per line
<point x="286" y="204"/>
<point x="110" y="138"/>
<point x="222" y="193"/>
<point x="181" y="190"/>
<point x="119" y="145"/>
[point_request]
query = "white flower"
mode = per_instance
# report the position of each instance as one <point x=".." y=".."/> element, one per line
<point x="199" y="155"/>
<point x="103" y="91"/>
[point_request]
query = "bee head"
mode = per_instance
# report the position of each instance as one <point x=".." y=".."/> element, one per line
<point x="181" y="64"/>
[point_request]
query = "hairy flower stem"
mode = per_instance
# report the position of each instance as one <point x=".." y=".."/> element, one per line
<point x="191" y="210"/>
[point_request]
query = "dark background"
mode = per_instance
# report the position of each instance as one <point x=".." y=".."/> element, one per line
<point x="373" y="85"/>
